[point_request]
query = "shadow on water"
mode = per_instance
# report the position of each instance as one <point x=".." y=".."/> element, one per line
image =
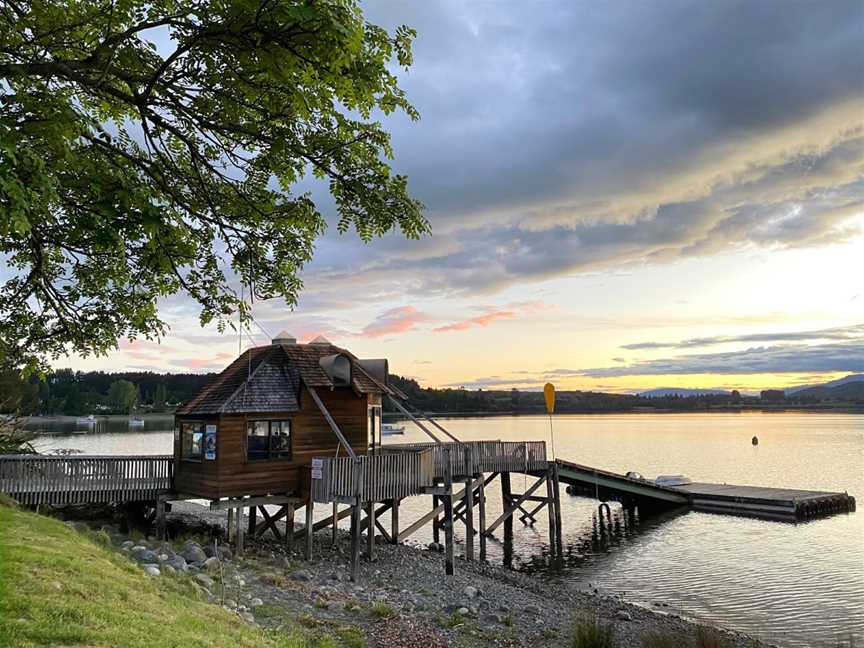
<point x="610" y="528"/>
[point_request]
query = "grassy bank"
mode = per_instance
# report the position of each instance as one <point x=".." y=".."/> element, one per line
<point x="60" y="587"/>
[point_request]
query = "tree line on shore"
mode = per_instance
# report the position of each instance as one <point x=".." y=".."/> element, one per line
<point x="76" y="393"/>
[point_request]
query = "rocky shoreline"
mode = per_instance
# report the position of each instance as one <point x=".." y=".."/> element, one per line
<point x="400" y="599"/>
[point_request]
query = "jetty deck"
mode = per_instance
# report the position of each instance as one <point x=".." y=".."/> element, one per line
<point x="748" y="501"/>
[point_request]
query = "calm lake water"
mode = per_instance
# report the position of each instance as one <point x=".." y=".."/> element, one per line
<point x="794" y="584"/>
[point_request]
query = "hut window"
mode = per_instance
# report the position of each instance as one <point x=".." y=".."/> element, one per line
<point x="268" y="440"/>
<point x="192" y="439"/>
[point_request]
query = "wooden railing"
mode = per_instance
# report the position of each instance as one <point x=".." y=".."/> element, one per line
<point x="475" y="457"/>
<point x="37" y="479"/>
<point x="372" y="477"/>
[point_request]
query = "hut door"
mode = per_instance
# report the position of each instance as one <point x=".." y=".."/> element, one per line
<point x="375" y="425"/>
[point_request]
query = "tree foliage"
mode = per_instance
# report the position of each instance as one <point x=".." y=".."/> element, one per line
<point x="123" y="396"/>
<point x="150" y="147"/>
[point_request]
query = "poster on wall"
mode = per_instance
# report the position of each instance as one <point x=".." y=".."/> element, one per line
<point x="210" y="442"/>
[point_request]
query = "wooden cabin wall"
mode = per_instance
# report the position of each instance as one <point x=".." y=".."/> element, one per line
<point x="195" y="477"/>
<point x="311" y="436"/>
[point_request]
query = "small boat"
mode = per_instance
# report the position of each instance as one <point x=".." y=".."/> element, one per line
<point x="672" y="480"/>
<point x="389" y="429"/>
<point x="87" y="420"/>
<point x="755" y="440"/>
<point x="136" y="421"/>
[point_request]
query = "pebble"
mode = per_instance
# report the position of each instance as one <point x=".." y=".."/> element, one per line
<point x="255" y="602"/>
<point x="204" y="580"/>
<point x="152" y="570"/>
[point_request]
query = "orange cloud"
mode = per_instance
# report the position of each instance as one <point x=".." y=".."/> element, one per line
<point x="480" y="320"/>
<point x="394" y="321"/>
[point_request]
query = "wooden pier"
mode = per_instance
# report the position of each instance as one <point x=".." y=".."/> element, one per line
<point x="748" y="501"/>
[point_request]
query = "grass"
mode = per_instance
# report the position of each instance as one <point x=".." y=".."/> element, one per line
<point x="381" y="610"/>
<point x="62" y="588"/>
<point x="590" y="632"/>
<point x="704" y="638"/>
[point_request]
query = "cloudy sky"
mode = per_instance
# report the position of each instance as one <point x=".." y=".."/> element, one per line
<point x="622" y="195"/>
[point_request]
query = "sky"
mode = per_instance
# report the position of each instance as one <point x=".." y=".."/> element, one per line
<point x="622" y="196"/>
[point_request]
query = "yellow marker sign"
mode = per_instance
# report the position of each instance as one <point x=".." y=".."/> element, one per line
<point x="549" y="395"/>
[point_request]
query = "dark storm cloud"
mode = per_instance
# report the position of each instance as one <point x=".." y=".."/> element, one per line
<point x="558" y="137"/>
<point x="838" y="333"/>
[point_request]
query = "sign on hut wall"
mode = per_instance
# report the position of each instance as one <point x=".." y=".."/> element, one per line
<point x="317" y="465"/>
<point x="210" y="442"/>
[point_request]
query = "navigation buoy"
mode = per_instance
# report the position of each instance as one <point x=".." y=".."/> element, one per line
<point x="755" y="440"/>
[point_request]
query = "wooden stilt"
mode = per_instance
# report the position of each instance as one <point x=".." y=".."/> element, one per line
<point x="436" y="525"/>
<point x="230" y="535"/>
<point x="253" y="510"/>
<point x="550" y="509"/>
<point x="394" y="522"/>
<point x="289" y="526"/>
<point x="448" y="514"/>
<point x="558" y="530"/>
<point x="307" y="549"/>
<point x="507" y="503"/>
<point x="238" y="530"/>
<point x="355" y="540"/>
<point x="370" y="537"/>
<point x="335" y="533"/>
<point x="160" y="518"/>
<point x="469" y="519"/>
<point x="481" y="511"/>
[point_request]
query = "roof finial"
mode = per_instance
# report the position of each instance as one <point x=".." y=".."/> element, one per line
<point x="284" y="338"/>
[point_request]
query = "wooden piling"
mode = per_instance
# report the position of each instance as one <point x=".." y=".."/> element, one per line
<point x="160" y="518"/>
<point x="229" y="535"/>
<point x="394" y="521"/>
<point x="550" y="509"/>
<point x="436" y="525"/>
<point x="355" y="539"/>
<point x="507" y="502"/>
<point x="557" y="502"/>
<point x="448" y="513"/>
<point x="370" y="537"/>
<point x="238" y="530"/>
<point x="289" y="526"/>
<point x="469" y="519"/>
<point x="335" y="532"/>
<point x="481" y="512"/>
<point x="253" y="512"/>
<point x="307" y="550"/>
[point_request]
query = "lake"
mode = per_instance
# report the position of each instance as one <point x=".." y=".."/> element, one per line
<point x="795" y="584"/>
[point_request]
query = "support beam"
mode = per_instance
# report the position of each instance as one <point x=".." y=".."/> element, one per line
<point x="414" y="420"/>
<point x="238" y="532"/>
<point x="309" y="529"/>
<point x="469" y="520"/>
<point x="553" y="547"/>
<point x="355" y="540"/>
<point x="331" y="422"/>
<point x="557" y="502"/>
<point x="432" y="515"/>
<point x="229" y="536"/>
<point x="394" y="521"/>
<point x="508" y="519"/>
<point x="448" y="514"/>
<point x="335" y="518"/>
<point x="160" y="518"/>
<point x="370" y="533"/>
<point x="481" y="511"/>
<point x="253" y="510"/>
<point x="289" y="526"/>
<point x="322" y="524"/>
<point x="269" y="522"/>
<point x="436" y="526"/>
<point x="509" y="510"/>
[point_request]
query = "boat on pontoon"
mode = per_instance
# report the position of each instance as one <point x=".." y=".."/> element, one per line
<point x="389" y="429"/>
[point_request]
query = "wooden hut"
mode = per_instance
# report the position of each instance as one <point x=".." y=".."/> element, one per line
<point x="255" y="429"/>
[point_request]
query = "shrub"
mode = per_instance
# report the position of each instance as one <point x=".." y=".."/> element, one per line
<point x="381" y="610"/>
<point x="590" y="632"/>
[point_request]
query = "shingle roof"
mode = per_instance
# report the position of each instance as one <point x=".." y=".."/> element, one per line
<point x="268" y="379"/>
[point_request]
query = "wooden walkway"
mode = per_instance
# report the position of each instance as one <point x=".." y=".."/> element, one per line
<point x="751" y="501"/>
<point x="35" y="480"/>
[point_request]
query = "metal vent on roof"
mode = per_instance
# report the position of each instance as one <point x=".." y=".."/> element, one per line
<point x="284" y="338"/>
<point x="320" y="340"/>
<point x="376" y="368"/>
<point x="337" y="367"/>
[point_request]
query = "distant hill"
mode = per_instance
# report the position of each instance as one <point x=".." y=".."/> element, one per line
<point x="844" y="391"/>
<point x="851" y="378"/>
<point x="665" y="392"/>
